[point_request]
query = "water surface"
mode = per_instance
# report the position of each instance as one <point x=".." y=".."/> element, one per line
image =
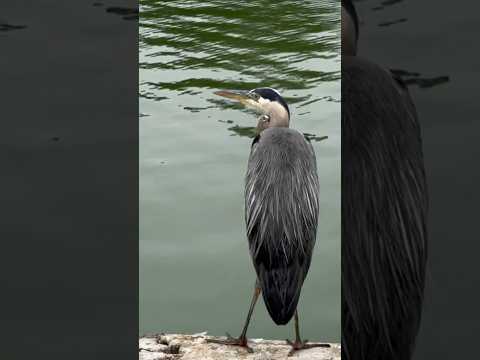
<point x="195" y="269"/>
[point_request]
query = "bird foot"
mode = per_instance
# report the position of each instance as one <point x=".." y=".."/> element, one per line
<point x="241" y="341"/>
<point x="301" y="345"/>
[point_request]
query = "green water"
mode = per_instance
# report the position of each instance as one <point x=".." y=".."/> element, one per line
<point x="195" y="269"/>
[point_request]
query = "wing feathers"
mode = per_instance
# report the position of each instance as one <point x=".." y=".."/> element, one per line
<point x="281" y="213"/>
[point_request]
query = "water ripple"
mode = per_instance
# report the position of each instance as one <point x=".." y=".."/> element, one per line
<point x="222" y="44"/>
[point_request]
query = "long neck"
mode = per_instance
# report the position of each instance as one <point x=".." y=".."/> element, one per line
<point x="349" y="34"/>
<point x="279" y="116"/>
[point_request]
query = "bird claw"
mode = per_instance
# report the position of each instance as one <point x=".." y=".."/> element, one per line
<point x="302" y="345"/>
<point x="240" y="341"/>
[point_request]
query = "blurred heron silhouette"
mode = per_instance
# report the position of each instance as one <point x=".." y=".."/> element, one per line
<point x="384" y="208"/>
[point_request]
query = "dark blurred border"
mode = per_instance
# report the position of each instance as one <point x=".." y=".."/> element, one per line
<point x="69" y="179"/>
<point x="433" y="46"/>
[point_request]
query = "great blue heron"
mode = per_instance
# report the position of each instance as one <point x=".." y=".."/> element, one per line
<point x="281" y="210"/>
<point x="384" y="206"/>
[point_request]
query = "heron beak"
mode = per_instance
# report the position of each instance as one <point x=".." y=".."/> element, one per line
<point x="241" y="97"/>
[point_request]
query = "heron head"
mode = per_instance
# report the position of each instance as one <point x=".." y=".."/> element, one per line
<point x="266" y="101"/>
<point x="349" y="28"/>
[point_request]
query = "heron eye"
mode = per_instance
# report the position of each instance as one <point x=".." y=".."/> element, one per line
<point x="254" y="95"/>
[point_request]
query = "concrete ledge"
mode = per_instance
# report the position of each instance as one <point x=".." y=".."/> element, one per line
<point x="195" y="347"/>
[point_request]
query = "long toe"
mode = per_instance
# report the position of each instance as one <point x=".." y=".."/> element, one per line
<point x="302" y="345"/>
<point x="231" y="341"/>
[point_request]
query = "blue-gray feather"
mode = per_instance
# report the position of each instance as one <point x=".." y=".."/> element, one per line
<point x="384" y="211"/>
<point x="281" y="213"/>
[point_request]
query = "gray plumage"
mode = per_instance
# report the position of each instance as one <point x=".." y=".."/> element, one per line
<point x="384" y="212"/>
<point x="281" y="213"/>
<point x="384" y="208"/>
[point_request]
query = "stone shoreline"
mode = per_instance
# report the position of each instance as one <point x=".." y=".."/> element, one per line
<point x="196" y="347"/>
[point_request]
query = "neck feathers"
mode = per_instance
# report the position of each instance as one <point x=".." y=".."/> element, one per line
<point x="349" y="30"/>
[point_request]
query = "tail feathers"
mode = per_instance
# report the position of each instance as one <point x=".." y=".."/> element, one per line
<point x="281" y="291"/>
